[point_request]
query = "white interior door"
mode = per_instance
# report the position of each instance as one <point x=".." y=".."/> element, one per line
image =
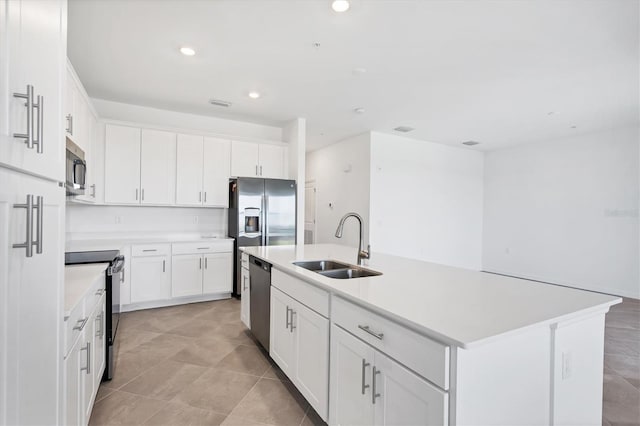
<point x="351" y="368"/>
<point x="189" y="170"/>
<point x="150" y="279"/>
<point x="310" y="213"/>
<point x="186" y="275"/>
<point x="158" y="167"/>
<point x="244" y="159"/>
<point x="122" y="165"/>
<point x="216" y="276"/>
<point x="217" y="170"/>
<point x="271" y="161"/>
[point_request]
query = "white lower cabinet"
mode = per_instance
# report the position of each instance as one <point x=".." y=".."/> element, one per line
<point x="299" y="344"/>
<point x="187" y="275"/>
<point x="201" y="268"/>
<point x="150" y="274"/>
<point x="369" y="388"/>
<point x="245" y="301"/>
<point x="85" y="361"/>
<point x="216" y="275"/>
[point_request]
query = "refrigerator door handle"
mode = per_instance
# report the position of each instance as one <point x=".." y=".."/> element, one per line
<point x="266" y="223"/>
<point x="263" y="226"/>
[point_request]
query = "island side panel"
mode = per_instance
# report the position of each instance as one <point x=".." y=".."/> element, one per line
<point x="577" y="369"/>
<point x="506" y="381"/>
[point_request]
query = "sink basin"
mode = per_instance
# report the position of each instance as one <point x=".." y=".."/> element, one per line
<point x="344" y="274"/>
<point x="321" y="265"/>
<point x="333" y="269"/>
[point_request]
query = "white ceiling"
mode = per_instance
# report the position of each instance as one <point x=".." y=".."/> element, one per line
<point x="490" y="71"/>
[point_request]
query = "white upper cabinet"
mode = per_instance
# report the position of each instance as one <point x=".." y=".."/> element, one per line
<point x="217" y="164"/>
<point x="203" y="171"/>
<point x="271" y="161"/>
<point x="31" y="62"/>
<point x="189" y="170"/>
<point x="122" y="165"/>
<point x="157" y="167"/>
<point x="244" y="159"/>
<point x="257" y="160"/>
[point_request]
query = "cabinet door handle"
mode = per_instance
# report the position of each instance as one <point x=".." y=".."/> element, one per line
<point x="69" y="128"/>
<point x="164" y="263"/>
<point x="93" y="191"/>
<point x="99" y="292"/>
<point x="39" y="123"/>
<point x="142" y="194"/>
<point x="200" y="196"/>
<point x="39" y="222"/>
<point x="29" y="104"/>
<point x="80" y="324"/>
<point x="374" y="395"/>
<point x="367" y="329"/>
<point x="122" y="275"/>
<point x="200" y="263"/>
<point x="365" y="364"/>
<point x="88" y="367"/>
<point x="28" y="244"/>
<point x="136" y="194"/>
<point x="287" y="324"/>
<point x="206" y="263"/>
<point x="257" y="170"/>
<point x="99" y="321"/>
<point x="260" y="170"/>
<point x="292" y="314"/>
<point x="205" y="196"/>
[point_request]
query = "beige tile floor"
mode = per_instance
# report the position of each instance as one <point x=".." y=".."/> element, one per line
<point x="197" y="365"/>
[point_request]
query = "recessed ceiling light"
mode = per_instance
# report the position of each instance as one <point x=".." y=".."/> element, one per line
<point x="470" y="143"/>
<point x="254" y="94"/>
<point x="404" y="129"/>
<point x="358" y="110"/>
<point x="187" y="51"/>
<point x="340" y="5"/>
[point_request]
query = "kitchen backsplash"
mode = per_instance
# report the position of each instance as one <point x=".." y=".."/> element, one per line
<point x="137" y="219"/>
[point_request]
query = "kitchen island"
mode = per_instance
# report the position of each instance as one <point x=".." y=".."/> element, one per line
<point x="428" y="343"/>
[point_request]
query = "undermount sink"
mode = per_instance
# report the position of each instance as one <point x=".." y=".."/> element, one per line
<point x="338" y="270"/>
<point x="321" y="265"/>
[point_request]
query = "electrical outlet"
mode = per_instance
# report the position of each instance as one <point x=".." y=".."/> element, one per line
<point x="566" y="365"/>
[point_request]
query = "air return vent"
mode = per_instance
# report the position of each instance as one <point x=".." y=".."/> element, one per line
<point x="404" y="129"/>
<point x="218" y="102"/>
<point x="470" y="143"/>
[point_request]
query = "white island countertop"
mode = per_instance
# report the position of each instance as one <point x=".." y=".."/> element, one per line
<point x="456" y="306"/>
<point x="78" y="279"/>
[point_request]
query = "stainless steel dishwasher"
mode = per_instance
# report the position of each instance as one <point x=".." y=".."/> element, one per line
<point x="260" y="306"/>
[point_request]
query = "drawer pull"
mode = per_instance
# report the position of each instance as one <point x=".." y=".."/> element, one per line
<point x="374" y="395"/>
<point x="365" y="364"/>
<point x="150" y="250"/>
<point x="99" y="292"/>
<point x="80" y="324"/>
<point x="367" y="329"/>
<point x="204" y="248"/>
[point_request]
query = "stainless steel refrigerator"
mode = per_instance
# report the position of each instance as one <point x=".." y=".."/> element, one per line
<point x="262" y="212"/>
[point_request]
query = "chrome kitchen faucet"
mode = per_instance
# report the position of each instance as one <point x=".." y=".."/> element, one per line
<point x="362" y="254"/>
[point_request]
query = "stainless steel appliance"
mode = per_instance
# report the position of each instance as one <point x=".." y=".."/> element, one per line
<point x="260" y="311"/>
<point x="262" y="212"/>
<point x="76" y="169"/>
<point x="113" y="277"/>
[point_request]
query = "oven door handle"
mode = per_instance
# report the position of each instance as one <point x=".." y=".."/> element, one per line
<point x="118" y="265"/>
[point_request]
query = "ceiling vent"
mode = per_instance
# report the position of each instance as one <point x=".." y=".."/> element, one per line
<point x="470" y="143"/>
<point x="218" y="102"/>
<point x="404" y="129"/>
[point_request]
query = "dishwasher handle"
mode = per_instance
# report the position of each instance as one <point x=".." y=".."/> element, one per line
<point x="260" y="263"/>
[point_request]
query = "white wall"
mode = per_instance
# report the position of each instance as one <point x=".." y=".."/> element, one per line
<point x="152" y="116"/>
<point x="426" y="201"/>
<point x="294" y="134"/>
<point x="566" y="212"/>
<point x="341" y="173"/>
<point x="136" y="220"/>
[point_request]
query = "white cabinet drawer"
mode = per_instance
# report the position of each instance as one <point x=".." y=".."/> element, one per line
<point x="305" y="293"/>
<point x="426" y="357"/>
<point x="221" y="246"/>
<point x="150" y="250"/>
<point x="73" y="326"/>
<point x="245" y="260"/>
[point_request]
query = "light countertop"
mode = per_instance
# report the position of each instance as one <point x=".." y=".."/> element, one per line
<point x="454" y="305"/>
<point x="78" y="279"/>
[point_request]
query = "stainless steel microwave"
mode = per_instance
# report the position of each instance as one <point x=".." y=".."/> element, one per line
<point x="76" y="169"/>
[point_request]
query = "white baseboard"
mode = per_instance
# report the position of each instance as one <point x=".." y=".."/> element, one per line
<point x="174" y="301"/>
